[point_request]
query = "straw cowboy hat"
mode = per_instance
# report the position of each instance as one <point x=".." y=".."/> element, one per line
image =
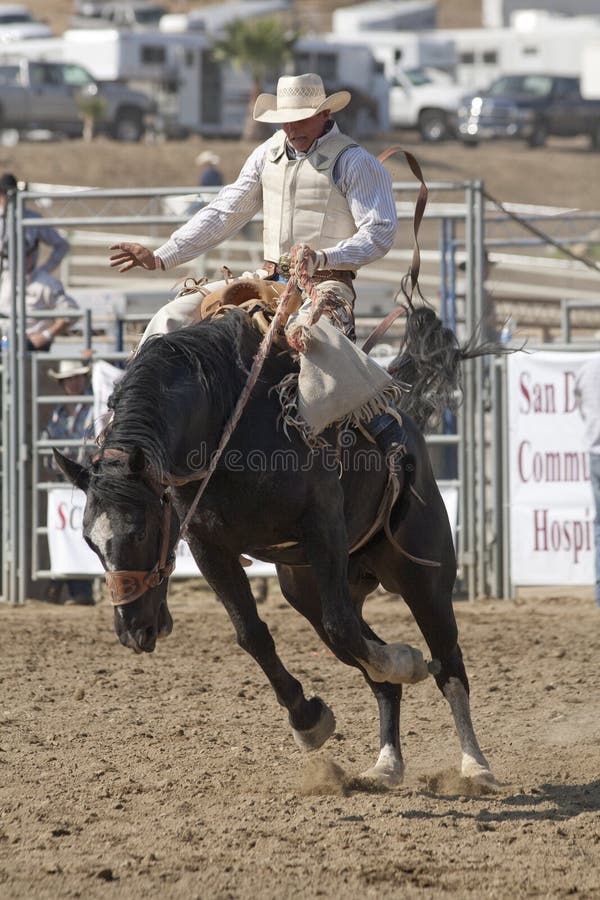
<point x="298" y="97"/>
<point x="206" y="158"/>
<point x="68" y="368"/>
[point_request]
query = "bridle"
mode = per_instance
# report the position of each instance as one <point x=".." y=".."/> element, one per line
<point x="126" y="585"/>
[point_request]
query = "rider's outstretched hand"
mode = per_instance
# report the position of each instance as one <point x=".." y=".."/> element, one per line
<point x="130" y="255"/>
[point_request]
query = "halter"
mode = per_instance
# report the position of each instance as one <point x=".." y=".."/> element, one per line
<point x="126" y="585"/>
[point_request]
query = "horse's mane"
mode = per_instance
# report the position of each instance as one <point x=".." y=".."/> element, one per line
<point x="429" y="361"/>
<point x="163" y="377"/>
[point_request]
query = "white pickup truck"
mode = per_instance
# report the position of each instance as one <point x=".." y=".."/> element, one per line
<point x="425" y="99"/>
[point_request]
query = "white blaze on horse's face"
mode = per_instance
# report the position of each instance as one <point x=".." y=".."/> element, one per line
<point x="100" y="534"/>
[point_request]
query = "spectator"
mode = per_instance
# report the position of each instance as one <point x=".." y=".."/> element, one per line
<point x="71" y="420"/>
<point x="587" y="391"/>
<point x="210" y="174"/>
<point x="42" y="290"/>
<point x="59" y="246"/>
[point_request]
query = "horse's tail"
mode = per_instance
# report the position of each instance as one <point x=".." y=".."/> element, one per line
<point x="429" y="365"/>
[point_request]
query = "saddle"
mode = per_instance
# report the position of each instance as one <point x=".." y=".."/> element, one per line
<point x="258" y="298"/>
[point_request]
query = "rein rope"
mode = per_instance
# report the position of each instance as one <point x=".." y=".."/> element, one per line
<point x="299" y="276"/>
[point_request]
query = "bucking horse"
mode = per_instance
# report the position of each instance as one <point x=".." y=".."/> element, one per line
<point x="318" y="511"/>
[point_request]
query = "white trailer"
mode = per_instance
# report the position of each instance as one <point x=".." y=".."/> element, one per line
<point x="195" y="92"/>
<point x="348" y="66"/>
<point x="535" y="41"/>
<point x="384" y="16"/>
<point x="403" y="49"/>
<point x="590" y="70"/>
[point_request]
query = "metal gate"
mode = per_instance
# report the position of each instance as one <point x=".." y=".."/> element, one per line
<point x="466" y="453"/>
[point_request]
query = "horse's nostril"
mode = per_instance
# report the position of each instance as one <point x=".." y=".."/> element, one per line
<point x="149" y="634"/>
<point x="145" y="638"/>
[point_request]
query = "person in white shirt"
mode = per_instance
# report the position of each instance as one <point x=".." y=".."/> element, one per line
<point x="316" y="187"/>
<point x="587" y="392"/>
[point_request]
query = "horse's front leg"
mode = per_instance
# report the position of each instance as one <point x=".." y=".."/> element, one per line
<point x="326" y="546"/>
<point x="312" y="721"/>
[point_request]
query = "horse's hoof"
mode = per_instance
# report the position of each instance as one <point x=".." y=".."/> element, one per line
<point x="388" y="771"/>
<point x="384" y="777"/>
<point x="315" y="737"/>
<point x="479" y="774"/>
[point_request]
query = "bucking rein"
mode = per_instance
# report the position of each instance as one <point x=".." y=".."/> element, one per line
<point x="126" y="585"/>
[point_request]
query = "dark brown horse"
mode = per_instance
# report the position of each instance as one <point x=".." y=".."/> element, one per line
<point x="274" y="498"/>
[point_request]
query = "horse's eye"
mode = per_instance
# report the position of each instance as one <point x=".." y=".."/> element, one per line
<point x="140" y="535"/>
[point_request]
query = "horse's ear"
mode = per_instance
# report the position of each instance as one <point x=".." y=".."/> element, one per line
<point x="137" y="460"/>
<point x="74" y="471"/>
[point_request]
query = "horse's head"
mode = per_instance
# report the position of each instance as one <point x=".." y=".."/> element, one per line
<point x="129" y="523"/>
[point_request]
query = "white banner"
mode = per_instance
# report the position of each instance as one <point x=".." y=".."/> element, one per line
<point x="104" y="377"/>
<point x="70" y="555"/>
<point x="551" y="502"/>
<point x="450" y="497"/>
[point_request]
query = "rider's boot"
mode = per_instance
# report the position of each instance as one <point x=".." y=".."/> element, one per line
<point x="390" y="435"/>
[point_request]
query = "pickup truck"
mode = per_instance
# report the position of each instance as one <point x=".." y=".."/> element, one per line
<point x="426" y="100"/>
<point x="46" y="96"/>
<point x="530" y="107"/>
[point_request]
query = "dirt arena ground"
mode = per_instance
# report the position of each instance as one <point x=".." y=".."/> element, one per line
<point x="175" y="775"/>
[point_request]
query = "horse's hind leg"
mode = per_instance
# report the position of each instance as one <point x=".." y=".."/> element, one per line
<point x="455" y="687"/>
<point x="300" y="589"/>
<point x="428" y="594"/>
<point x="325" y="543"/>
<point x="312" y="721"/>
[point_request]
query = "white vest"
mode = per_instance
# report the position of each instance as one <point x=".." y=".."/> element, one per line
<point x="301" y="203"/>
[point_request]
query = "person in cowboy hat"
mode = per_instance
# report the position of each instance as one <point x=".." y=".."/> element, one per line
<point x="71" y="421"/>
<point x="316" y="187"/>
<point x="210" y="174"/>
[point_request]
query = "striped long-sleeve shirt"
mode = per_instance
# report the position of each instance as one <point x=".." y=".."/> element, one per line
<point x="359" y="176"/>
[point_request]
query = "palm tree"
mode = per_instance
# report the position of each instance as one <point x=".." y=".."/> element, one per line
<point x="261" y="47"/>
<point x="92" y="109"/>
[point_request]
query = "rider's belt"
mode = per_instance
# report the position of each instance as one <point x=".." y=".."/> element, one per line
<point x="283" y="268"/>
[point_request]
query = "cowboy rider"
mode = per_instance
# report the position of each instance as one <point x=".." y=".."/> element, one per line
<point x="316" y="187"/>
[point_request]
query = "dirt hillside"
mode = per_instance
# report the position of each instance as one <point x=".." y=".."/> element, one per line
<point x="565" y="173"/>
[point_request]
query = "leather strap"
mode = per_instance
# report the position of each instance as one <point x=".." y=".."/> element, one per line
<point x="381" y="329"/>
<point x="345" y="275"/>
<point x="420" y="205"/>
<point x="415" y="266"/>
